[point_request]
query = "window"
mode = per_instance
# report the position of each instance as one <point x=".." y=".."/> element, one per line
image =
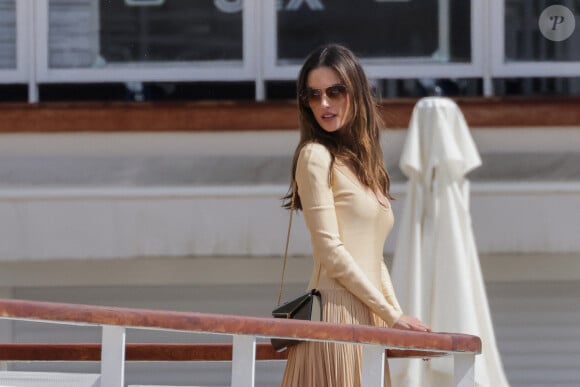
<point x="88" y="33"/>
<point x="177" y="30"/>
<point x="181" y="48"/>
<point x="536" y="50"/>
<point x="526" y="41"/>
<point x="408" y="31"/>
<point x="8" y="34"/>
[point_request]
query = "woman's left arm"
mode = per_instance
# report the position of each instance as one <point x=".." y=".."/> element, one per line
<point x="387" y="287"/>
<point x="405" y="322"/>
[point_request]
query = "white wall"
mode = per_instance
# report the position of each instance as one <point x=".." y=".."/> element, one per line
<point x="40" y="221"/>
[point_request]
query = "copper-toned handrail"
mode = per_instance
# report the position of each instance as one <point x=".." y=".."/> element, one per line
<point x="237" y="325"/>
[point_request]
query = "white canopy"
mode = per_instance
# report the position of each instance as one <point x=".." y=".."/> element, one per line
<point x="436" y="271"/>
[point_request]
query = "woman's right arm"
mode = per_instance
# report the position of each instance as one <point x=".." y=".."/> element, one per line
<point x="316" y="196"/>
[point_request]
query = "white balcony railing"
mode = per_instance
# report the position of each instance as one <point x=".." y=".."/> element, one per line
<point x="114" y="351"/>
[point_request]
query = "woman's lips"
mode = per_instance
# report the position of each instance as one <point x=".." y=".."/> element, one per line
<point x="328" y="116"/>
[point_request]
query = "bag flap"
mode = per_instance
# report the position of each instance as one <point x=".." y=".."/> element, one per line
<point x="301" y="305"/>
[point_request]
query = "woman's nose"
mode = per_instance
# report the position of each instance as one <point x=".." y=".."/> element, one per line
<point x="324" y="100"/>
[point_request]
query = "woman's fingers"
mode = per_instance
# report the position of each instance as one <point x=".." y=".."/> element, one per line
<point x="411" y="323"/>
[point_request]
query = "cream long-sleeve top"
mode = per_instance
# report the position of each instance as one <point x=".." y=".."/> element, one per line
<point x="348" y="226"/>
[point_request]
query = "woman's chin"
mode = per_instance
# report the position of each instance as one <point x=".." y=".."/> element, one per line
<point x="331" y="128"/>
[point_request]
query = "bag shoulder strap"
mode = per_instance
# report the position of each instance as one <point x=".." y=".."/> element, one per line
<point x="292" y="203"/>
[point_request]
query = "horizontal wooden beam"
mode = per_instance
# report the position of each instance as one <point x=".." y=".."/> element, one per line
<point x="152" y="352"/>
<point x="258" y="116"/>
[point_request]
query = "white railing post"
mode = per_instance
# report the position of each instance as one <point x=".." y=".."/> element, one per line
<point x="464" y="370"/>
<point x="244" y="361"/>
<point x="373" y="365"/>
<point x="113" y="356"/>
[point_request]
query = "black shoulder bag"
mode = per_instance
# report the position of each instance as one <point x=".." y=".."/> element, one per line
<point x="306" y="307"/>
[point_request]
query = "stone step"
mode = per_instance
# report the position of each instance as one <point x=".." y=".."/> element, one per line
<point x="47" y="379"/>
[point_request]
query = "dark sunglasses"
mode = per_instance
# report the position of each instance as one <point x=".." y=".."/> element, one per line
<point x="310" y="95"/>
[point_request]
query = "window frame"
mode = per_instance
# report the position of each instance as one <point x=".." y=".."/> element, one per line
<point x="162" y="71"/>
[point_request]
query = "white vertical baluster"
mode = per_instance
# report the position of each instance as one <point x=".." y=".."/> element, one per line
<point x="464" y="370"/>
<point x="113" y="356"/>
<point x="243" y="361"/>
<point x="373" y="365"/>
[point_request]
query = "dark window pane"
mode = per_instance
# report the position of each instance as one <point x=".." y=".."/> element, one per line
<point x="13" y="93"/>
<point x="537" y="86"/>
<point x="147" y="91"/>
<point x="375" y="29"/>
<point x="87" y="33"/>
<point x="524" y="39"/>
<point x="179" y="30"/>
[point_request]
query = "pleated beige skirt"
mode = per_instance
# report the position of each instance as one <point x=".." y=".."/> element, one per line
<point x="317" y="364"/>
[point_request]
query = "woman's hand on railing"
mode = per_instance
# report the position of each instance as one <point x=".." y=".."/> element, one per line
<point x="411" y="323"/>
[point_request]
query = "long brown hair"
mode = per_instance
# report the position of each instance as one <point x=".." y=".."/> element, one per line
<point x="357" y="141"/>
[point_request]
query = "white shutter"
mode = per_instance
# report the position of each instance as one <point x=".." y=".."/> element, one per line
<point x="7" y="34"/>
<point x="73" y="33"/>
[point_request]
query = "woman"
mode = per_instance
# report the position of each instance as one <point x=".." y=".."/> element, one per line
<point x="342" y="188"/>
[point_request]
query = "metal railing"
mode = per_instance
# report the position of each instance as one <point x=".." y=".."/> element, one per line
<point x="114" y="351"/>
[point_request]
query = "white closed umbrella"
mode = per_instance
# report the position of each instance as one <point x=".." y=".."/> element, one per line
<point x="436" y="270"/>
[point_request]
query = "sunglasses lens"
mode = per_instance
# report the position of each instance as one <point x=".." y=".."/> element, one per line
<point x="314" y="95"/>
<point x="335" y="91"/>
<point x="310" y="95"/>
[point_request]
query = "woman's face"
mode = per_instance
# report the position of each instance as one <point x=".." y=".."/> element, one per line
<point x="327" y="97"/>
